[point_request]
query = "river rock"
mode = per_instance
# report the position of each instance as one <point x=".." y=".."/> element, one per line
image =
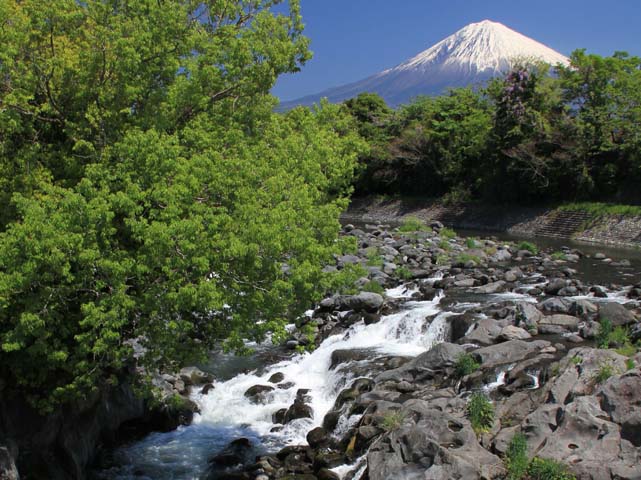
<point x="195" y="376"/>
<point x="616" y="313"/>
<point x="508" y="352"/>
<point x="513" y="333"/>
<point x="554" y="285"/>
<point x="258" y="393"/>
<point x="485" y="332"/>
<point x="237" y="452"/>
<point x="568" y="322"/>
<point x="363" y="302"/>
<point x="495" y="287"/>
<point x="527" y="315"/>
<point x="317" y="437"/>
<point x="555" y="305"/>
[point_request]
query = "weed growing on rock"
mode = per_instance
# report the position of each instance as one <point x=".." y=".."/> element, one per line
<point x="465" y="365"/>
<point x="606" y="370"/>
<point x="480" y="412"/>
<point x="516" y="458"/>
<point x="559" y="256"/>
<point x="629" y="364"/>
<point x="470" y="243"/>
<point x="392" y="420"/>
<point x="543" y="469"/>
<point x="464" y="258"/>
<point x="530" y="247"/>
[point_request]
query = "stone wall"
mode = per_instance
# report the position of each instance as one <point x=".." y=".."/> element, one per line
<point x="528" y="221"/>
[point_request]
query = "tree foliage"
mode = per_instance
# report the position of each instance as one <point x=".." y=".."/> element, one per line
<point x="534" y="135"/>
<point x="150" y="197"/>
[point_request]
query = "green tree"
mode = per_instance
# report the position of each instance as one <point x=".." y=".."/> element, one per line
<point x="154" y="197"/>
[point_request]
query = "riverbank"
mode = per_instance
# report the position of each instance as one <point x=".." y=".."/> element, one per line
<point x="385" y="381"/>
<point x="573" y="222"/>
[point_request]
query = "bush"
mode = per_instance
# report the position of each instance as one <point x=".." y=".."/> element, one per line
<point x="516" y="458"/>
<point x="480" y="412"/>
<point x="374" y="287"/>
<point x="465" y="365"/>
<point x="412" y="224"/>
<point x="605" y="330"/>
<point x="530" y="247"/>
<point x="543" y="469"/>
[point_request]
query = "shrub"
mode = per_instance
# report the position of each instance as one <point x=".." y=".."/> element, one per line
<point x="447" y="233"/>
<point x="530" y="247"/>
<point x="392" y="420"/>
<point x="543" y="469"/>
<point x="618" y="337"/>
<point x="470" y="243"/>
<point x="480" y="412"/>
<point x="412" y="224"/>
<point x="403" y="273"/>
<point x="374" y="287"/>
<point x="605" y="330"/>
<point x="516" y="458"/>
<point x="465" y="365"/>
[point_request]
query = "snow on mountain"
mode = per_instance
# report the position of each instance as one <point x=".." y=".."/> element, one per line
<point x="471" y="56"/>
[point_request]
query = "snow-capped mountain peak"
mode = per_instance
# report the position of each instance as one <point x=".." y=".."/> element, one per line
<point x="470" y="56"/>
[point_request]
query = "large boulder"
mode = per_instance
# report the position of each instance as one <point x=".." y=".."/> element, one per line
<point x="430" y="444"/>
<point x="258" y="393"/>
<point x="620" y="398"/>
<point x="363" y="302"/>
<point x="508" y="352"/>
<point x="617" y="314"/>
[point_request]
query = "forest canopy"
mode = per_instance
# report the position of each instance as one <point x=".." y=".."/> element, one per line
<point x="149" y="195"/>
<point x="536" y="135"/>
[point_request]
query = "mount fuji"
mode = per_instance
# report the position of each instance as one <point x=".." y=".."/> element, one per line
<point x="469" y="57"/>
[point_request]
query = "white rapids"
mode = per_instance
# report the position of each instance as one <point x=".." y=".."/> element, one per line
<point x="226" y="414"/>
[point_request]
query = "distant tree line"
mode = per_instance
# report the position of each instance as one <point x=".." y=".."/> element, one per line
<point x="533" y="136"/>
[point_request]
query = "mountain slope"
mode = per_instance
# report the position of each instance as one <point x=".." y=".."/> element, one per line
<point x="472" y="55"/>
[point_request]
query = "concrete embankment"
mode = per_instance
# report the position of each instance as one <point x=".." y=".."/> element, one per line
<point x="619" y="230"/>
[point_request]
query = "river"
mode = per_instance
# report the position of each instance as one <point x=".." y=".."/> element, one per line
<point x="226" y="414"/>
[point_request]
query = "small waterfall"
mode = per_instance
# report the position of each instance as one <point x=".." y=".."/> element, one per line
<point x="226" y="414"/>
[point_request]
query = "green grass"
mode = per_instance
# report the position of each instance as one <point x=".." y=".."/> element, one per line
<point x="480" y="412"/>
<point x="447" y="233"/>
<point x="470" y="243"/>
<point x="442" y="259"/>
<point x="412" y="224"/>
<point x="374" y="259"/>
<point x="629" y="364"/>
<point x="516" y="458"/>
<point x="403" y="273"/>
<point x="445" y="245"/>
<point x="392" y="420"/>
<point x="373" y="287"/>
<point x="606" y="370"/>
<point x="559" y="256"/>
<point x="464" y="258"/>
<point x="599" y="209"/>
<point x="465" y="365"/>
<point x="529" y="246"/>
<point x="543" y="469"/>
<point x="605" y="330"/>
<point x="577" y="360"/>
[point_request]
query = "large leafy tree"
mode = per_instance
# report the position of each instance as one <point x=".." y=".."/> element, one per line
<point x="150" y="196"/>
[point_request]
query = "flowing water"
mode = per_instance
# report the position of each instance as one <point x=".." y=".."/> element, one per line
<point x="226" y="414"/>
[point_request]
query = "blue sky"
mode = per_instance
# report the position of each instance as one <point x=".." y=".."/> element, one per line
<point x="352" y="39"/>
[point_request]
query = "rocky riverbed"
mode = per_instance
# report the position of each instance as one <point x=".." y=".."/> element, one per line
<point x="385" y="385"/>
